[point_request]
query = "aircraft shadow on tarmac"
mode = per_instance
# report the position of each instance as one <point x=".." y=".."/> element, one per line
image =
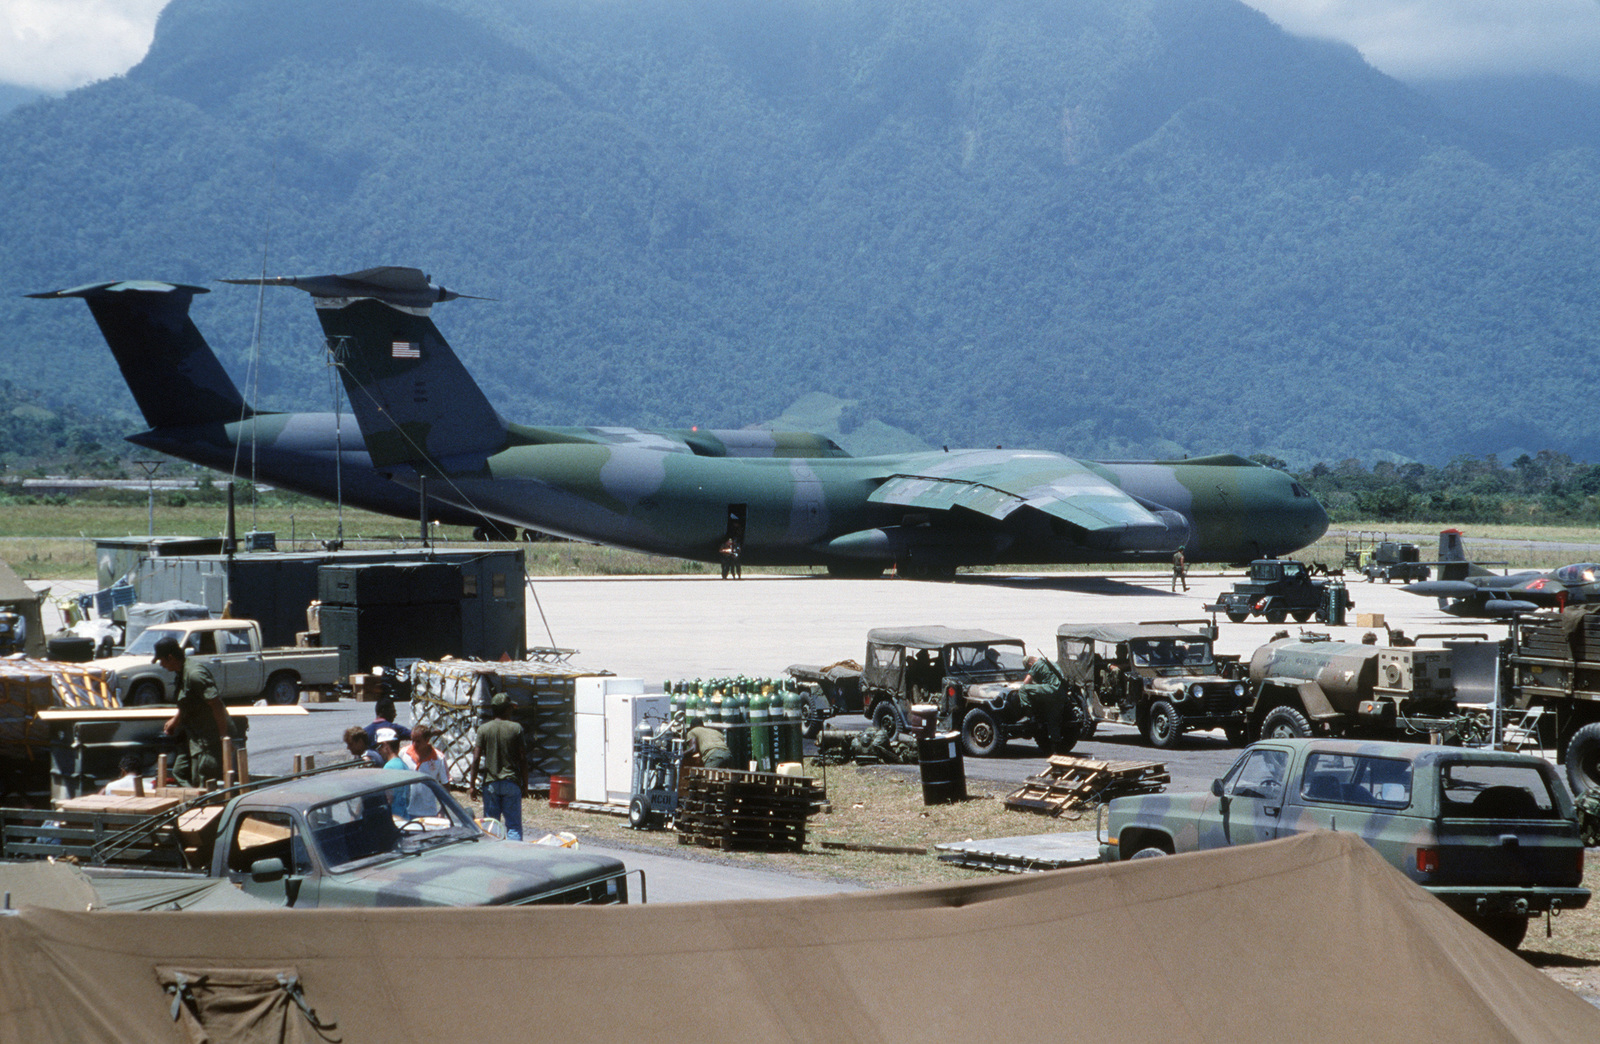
<point x="1053" y="582"/>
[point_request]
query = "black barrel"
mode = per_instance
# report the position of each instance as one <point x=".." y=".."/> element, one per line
<point x="944" y="776"/>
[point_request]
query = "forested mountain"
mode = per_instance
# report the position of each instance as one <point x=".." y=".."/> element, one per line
<point x="1105" y="227"/>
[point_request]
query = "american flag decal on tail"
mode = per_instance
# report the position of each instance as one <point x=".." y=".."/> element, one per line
<point x="407" y="350"/>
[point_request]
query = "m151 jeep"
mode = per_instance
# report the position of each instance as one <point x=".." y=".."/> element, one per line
<point x="1278" y="589"/>
<point x="1160" y="677"/>
<point x="971" y="675"/>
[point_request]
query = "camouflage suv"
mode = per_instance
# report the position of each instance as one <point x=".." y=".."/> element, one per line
<point x="971" y="675"/>
<point x="1494" y="835"/>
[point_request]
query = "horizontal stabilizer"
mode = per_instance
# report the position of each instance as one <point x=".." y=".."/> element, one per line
<point x="391" y="284"/>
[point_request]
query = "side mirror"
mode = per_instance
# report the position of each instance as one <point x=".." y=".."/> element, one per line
<point x="263" y="871"/>
<point x="1216" y="788"/>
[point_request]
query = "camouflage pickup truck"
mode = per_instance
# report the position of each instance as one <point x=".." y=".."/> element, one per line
<point x="345" y="837"/>
<point x="1494" y="835"/>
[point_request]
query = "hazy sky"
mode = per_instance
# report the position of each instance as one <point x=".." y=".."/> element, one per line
<point x="55" y="45"/>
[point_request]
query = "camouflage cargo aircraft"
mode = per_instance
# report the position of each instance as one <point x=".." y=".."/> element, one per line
<point x="196" y="413"/>
<point x="428" y="425"/>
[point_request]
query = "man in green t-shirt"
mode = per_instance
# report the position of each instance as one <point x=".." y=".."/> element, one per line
<point x="201" y="719"/>
<point x="710" y="744"/>
<point x="501" y="754"/>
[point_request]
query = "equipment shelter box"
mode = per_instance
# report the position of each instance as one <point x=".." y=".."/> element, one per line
<point x="274" y="589"/>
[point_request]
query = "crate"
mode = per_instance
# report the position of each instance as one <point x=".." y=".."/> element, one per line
<point x="1369" y="620"/>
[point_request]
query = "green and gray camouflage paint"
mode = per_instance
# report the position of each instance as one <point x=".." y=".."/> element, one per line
<point x="1492" y="834"/>
<point x="424" y="418"/>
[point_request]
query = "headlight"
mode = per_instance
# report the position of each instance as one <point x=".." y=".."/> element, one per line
<point x="1238" y="688"/>
<point x="1196" y="691"/>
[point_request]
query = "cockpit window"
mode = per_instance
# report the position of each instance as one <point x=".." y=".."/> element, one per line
<point x="1299" y="490"/>
<point x="1582" y="573"/>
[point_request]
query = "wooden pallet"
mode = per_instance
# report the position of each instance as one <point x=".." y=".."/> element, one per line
<point x="1070" y="784"/>
<point x="763" y="811"/>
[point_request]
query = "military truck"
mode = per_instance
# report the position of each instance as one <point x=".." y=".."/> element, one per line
<point x="1554" y="670"/>
<point x="972" y="676"/>
<point x="1278" y="589"/>
<point x="339" y="837"/>
<point x="1310" y="686"/>
<point x="243" y="669"/>
<point x="1492" y="834"/>
<point x="1160" y="677"/>
<point x="1392" y="560"/>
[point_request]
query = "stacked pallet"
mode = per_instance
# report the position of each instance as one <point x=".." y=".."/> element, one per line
<point x="1071" y="784"/>
<point x="749" y="811"/>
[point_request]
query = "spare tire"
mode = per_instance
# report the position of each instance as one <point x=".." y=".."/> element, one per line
<point x="1583" y="759"/>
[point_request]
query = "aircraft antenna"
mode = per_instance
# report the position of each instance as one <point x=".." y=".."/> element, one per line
<point x="337" y="387"/>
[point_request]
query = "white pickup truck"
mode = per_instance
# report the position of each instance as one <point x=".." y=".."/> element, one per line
<point x="232" y="649"/>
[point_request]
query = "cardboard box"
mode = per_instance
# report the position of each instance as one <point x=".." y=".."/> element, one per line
<point x="1369" y="619"/>
<point x="366" y="687"/>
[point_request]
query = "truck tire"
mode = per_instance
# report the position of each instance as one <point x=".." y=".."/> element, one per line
<point x="283" y="689"/>
<point x="1276" y="616"/>
<point x="147" y="693"/>
<point x="981" y="735"/>
<point x="1238" y="615"/>
<point x="1285" y="723"/>
<point x="1507" y="929"/>
<point x="1583" y="759"/>
<point x="1166" y="725"/>
<point x="887" y="717"/>
<point x="1302" y="615"/>
<point x="814" y="710"/>
<point x="1150" y="853"/>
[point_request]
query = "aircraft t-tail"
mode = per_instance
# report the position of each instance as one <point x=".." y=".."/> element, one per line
<point x="424" y="419"/>
<point x="1467" y="589"/>
<point x="196" y="413"/>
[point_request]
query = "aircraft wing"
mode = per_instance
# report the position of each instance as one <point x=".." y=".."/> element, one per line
<point x="999" y="483"/>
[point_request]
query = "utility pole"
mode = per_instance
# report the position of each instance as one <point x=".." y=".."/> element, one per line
<point x="150" y="468"/>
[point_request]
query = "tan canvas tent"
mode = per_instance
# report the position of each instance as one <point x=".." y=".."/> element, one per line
<point x="1306" y="939"/>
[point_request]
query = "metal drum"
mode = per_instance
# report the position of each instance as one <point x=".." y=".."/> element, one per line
<point x="944" y="775"/>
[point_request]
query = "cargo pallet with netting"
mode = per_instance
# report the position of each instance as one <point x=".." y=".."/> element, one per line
<point x="765" y="811"/>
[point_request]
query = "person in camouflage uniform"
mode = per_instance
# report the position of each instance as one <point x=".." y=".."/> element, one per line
<point x="201" y="720"/>
<point x="1043" y="693"/>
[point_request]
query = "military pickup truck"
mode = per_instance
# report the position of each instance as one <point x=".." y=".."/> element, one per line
<point x="1492" y="834"/>
<point x="345" y="837"/>
<point x="1278" y="589"/>
<point x="232" y="649"/>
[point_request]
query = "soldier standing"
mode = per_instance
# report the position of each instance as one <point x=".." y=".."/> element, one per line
<point x="1041" y="694"/>
<point x="500" y="752"/>
<point x="1180" y="570"/>
<point x="201" y="719"/>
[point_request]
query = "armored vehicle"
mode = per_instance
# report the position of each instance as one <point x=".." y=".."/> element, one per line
<point x="1160" y="677"/>
<point x="1311" y="686"/>
<point x="1390" y="560"/>
<point x="1278" y="589"/>
<point x="1492" y="834"/>
<point x="971" y="675"/>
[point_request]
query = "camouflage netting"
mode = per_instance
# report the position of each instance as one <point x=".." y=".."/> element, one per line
<point x="30" y="686"/>
<point x="453" y="696"/>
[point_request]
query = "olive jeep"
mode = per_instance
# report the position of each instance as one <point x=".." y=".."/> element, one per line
<point x="971" y="675"/>
<point x="1162" y="678"/>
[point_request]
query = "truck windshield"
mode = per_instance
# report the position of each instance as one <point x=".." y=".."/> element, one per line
<point x="993" y="659"/>
<point x="1171" y="652"/>
<point x="389" y="822"/>
<point x="145" y="644"/>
